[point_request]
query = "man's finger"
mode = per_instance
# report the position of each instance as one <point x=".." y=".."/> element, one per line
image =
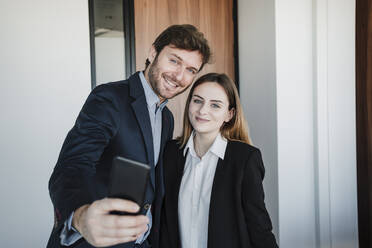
<point x="124" y="221"/>
<point x="115" y="204"/>
<point x="124" y="232"/>
<point x="103" y="242"/>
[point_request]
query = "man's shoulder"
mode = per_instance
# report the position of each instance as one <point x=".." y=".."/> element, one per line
<point x="112" y="87"/>
<point x="119" y="89"/>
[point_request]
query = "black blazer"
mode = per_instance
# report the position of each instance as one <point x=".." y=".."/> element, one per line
<point x="237" y="215"/>
<point x="113" y="121"/>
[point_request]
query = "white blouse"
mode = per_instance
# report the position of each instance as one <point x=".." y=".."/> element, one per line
<point x="195" y="192"/>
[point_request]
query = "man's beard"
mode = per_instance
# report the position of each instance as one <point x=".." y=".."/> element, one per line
<point x="155" y="78"/>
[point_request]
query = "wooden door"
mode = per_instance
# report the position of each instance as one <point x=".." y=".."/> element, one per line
<point x="212" y="17"/>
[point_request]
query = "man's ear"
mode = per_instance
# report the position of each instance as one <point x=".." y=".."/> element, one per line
<point x="152" y="54"/>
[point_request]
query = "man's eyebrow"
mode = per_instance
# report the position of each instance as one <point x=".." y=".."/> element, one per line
<point x="179" y="58"/>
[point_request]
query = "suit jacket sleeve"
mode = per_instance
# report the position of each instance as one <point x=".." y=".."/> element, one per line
<point x="96" y="124"/>
<point x="256" y="216"/>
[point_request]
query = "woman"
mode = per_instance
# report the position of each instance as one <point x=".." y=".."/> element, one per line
<point x="212" y="176"/>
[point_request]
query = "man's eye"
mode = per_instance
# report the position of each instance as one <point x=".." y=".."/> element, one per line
<point x="173" y="61"/>
<point x="192" y="71"/>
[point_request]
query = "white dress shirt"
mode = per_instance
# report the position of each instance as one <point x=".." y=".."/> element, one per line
<point x="195" y="192"/>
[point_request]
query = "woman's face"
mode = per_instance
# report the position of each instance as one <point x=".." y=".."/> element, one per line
<point x="209" y="108"/>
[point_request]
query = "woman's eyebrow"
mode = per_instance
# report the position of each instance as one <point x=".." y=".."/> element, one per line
<point x="218" y="101"/>
<point x="198" y="96"/>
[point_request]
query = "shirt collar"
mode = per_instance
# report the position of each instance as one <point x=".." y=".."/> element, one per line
<point x="151" y="98"/>
<point x="218" y="147"/>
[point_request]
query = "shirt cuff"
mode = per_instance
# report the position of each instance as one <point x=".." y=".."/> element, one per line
<point x="144" y="236"/>
<point x="69" y="235"/>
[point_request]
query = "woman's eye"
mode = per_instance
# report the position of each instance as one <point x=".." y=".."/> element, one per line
<point x="197" y="101"/>
<point x="215" y="105"/>
<point x="173" y="61"/>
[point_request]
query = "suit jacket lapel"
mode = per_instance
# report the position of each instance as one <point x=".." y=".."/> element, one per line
<point x="164" y="132"/>
<point x="217" y="183"/>
<point x="180" y="167"/>
<point x="164" y="138"/>
<point x="139" y="106"/>
<point x="218" y="178"/>
<point x="172" y="198"/>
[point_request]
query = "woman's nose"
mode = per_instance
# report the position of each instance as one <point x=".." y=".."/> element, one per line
<point x="203" y="109"/>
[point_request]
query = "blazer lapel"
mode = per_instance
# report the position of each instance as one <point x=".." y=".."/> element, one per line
<point x="163" y="141"/>
<point x="173" y="213"/>
<point x="164" y="132"/>
<point x="217" y="184"/>
<point x="139" y="106"/>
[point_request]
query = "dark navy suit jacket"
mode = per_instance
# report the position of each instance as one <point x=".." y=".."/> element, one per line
<point x="113" y="121"/>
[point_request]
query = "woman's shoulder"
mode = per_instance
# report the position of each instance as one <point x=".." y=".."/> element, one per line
<point x="241" y="150"/>
<point x="245" y="156"/>
<point x="173" y="143"/>
<point x="238" y="147"/>
<point x="172" y="146"/>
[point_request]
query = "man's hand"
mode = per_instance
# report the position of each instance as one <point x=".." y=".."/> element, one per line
<point x="100" y="228"/>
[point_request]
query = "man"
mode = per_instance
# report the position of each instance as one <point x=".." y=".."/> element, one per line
<point x="129" y="119"/>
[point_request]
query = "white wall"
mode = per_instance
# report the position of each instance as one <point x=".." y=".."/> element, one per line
<point x="295" y="123"/>
<point x="110" y="58"/>
<point x="341" y="121"/>
<point x="256" y="23"/>
<point x="308" y="97"/>
<point x="45" y="78"/>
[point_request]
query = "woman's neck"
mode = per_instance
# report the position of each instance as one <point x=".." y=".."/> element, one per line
<point x="202" y="142"/>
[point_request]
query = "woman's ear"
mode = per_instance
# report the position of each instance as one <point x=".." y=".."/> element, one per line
<point x="152" y="54"/>
<point x="230" y="115"/>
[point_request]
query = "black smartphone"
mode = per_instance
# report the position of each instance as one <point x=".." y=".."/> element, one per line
<point x="128" y="180"/>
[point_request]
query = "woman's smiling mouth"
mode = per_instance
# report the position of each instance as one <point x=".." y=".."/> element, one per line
<point x="201" y="119"/>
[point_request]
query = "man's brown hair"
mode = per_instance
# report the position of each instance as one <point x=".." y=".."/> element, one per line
<point x="185" y="37"/>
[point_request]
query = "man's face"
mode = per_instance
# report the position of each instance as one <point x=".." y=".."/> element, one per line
<point x="172" y="71"/>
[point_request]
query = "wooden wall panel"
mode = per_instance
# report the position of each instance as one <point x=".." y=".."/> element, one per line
<point x="213" y="17"/>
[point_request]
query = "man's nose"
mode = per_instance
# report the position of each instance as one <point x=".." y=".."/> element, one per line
<point x="179" y="73"/>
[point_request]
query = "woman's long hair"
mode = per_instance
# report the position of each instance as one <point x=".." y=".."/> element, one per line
<point x="236" y="128"/>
